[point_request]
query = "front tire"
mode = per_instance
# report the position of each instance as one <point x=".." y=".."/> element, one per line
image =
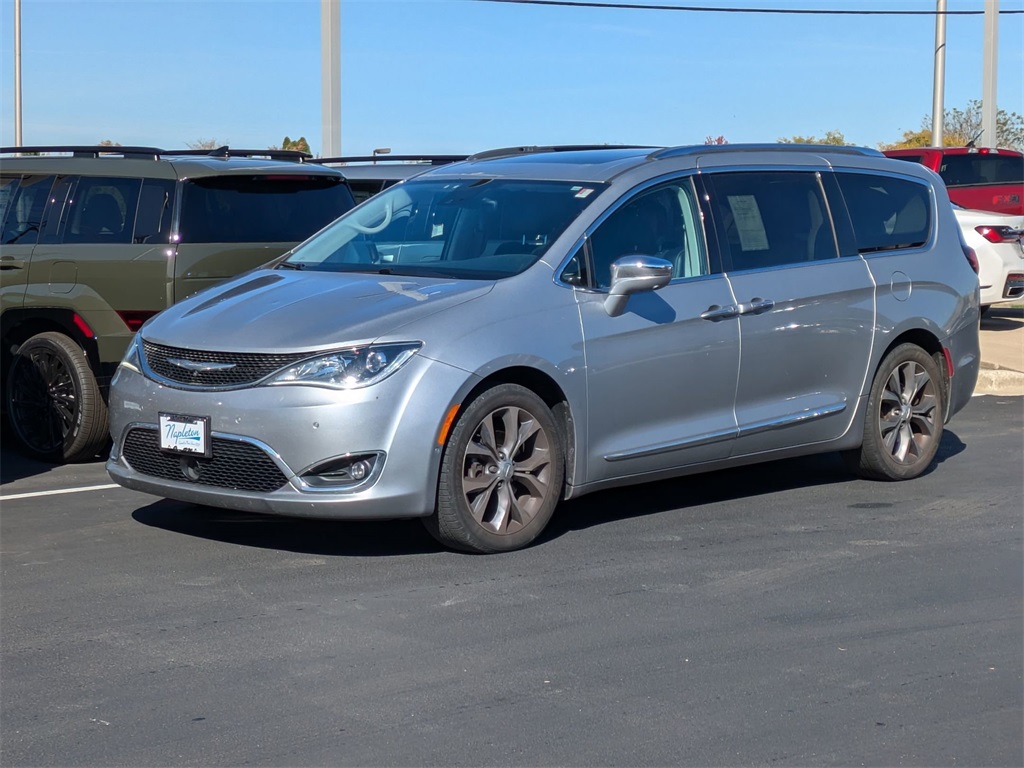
<point x="501" y="473"/>
<point x="54" y="404"/>
<point x="904" y="421"/>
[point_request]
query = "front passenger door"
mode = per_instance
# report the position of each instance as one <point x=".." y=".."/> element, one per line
<point x="660" y="377"/>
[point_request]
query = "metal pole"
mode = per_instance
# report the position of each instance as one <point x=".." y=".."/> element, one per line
<point x="17" y="73"/>
<point x="989" y="106"/>
<point x="939" y="81"/>
<point x="330" y="76"/>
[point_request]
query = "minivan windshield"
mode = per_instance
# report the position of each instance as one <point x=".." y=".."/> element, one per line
<point x="453" y="228"/>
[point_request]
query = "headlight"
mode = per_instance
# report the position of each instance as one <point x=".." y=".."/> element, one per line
<point x="349" y="368"/>
<point x="131" y="357"/>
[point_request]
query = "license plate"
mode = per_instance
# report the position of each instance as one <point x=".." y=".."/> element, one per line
<point x="186" y="435"/>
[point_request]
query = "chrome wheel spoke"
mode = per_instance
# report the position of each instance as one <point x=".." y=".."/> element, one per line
<point x="510" y="431"/>
<point x="532" y="484"/>
<point x="474" y="484"/>
<point x="481" y="451"/>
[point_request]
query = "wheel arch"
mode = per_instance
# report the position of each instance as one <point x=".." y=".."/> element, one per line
<point x="930" y="343"/>
<point x="19" y="325"/>
<point x="548" y="390"/>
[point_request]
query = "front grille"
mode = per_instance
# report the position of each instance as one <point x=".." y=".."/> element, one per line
<point x="235" y="465"/>
<point x="245" y="368"/>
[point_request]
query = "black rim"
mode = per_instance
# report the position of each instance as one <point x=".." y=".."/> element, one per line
<point x="44" y="400"/>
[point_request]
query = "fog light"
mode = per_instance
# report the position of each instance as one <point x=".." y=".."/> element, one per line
<point x="344" y="471"/>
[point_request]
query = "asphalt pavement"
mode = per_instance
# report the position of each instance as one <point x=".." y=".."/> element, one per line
<point x="782" y="614"/>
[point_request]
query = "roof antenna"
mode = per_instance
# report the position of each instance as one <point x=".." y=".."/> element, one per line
<point x="220" y="152"/>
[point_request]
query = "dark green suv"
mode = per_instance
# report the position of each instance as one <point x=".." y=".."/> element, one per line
<point x="96" y="240"/>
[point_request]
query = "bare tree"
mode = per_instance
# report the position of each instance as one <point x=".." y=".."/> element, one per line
<point x="205" y="144"/>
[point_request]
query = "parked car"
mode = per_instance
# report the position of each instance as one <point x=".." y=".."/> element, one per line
<point x="982" y="179"/>
<point x="997" y="242"/>
<point x="96" y="240"/>
<point x="477" y="343"/>
<point x="367" y="175"/>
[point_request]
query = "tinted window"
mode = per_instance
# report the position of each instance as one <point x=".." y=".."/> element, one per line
<point x="153" y="223"/>
<point x="887" y="213"/>
<point x="963" y="170"/>
<point x="770" y="219"/>
<point x="25" y="213"/>
<point x="660" y="222"/>
<point x="8" y="188"/>
<point x="103" y="210"/>
<point x="260" y="209"/>
<point x="466" y="228"/>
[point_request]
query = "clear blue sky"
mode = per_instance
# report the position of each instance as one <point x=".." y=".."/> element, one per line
<point x="451" y="76"/>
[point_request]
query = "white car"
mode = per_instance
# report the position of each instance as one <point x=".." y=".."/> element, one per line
<point x="997" y="241"/>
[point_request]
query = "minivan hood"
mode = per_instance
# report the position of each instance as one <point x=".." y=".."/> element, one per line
<point x="278" y="310"/>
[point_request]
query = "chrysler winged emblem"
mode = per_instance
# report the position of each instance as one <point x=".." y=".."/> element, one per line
<point x="191" y="365"/>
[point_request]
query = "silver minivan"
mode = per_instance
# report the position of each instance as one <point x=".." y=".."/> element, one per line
<point x="530" y="325"/>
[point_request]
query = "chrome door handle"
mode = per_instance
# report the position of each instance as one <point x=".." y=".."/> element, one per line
<point x="756" y="306"/>
<point x="716" y="312"/>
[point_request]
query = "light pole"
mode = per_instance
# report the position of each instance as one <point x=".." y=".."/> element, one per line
<point x="330" y="77"/>
<point x="939" y="81"/>
<point x="17" y="73"/>
<point x="989" y="107"/>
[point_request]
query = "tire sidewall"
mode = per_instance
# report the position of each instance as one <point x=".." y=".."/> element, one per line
<point x="879" y="456"/>
<point x="466" y="533"/>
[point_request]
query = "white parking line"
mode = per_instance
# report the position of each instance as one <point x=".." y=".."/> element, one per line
<point x="59" y="492"/>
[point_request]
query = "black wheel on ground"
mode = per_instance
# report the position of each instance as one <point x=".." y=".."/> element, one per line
<point x="501" y="473"/>
<point x="54" y="405"/>
<point x="904" y="420"/>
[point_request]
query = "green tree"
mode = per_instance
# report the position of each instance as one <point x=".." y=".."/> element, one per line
<point x="961" y="126"/>
<point x="835" y="138"/>
<point x="299" y="144"/>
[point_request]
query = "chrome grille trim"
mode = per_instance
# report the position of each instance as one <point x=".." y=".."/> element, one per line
<point x="204" y="369"/>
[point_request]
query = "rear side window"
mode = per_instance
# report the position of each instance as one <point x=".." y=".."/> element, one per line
<point x="103" y="210"/>
<point x="25" y="207"/>
<point x="888" y="213"/>
<point x="260" y="209"/>
<point x="153" y="223"/>
<point x="772" y="218"/>
<point x="970" y="169"/>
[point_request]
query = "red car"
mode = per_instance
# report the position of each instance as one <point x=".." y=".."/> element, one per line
<point x="982" y="179"/>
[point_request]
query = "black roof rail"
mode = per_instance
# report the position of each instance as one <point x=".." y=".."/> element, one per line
<point x="704" y="149"/>
<point x="225" y="152"/>
<point x="432" y="159"/>
<point x="79" y="150"/>
<point x="511" y="151"/>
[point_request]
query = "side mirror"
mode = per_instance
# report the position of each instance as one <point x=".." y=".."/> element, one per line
<point x="635" y="274"/>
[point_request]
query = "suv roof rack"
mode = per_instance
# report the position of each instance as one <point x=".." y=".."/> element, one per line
<point x="78" y="150"/>
<point x="377" y="159"/>
<point x="511" y="151"/>
<point x="703" y="149"/>
<point x="154" y="153"/>
<point x="225" y="152"/>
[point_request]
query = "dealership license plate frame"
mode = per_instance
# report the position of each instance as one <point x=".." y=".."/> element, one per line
<point x="172" y="442"/>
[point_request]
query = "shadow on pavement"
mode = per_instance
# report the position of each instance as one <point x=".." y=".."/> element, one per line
<point x="390" y="538"/>
<point x="1003" y="319"/>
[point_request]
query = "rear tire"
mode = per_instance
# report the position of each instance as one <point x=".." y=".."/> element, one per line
<point x="501" y="473"/>
<point x="54" y="404"/>
<point x="904" y="420"/>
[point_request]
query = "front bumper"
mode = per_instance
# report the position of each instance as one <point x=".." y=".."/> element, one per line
<point x="265" y="439"/>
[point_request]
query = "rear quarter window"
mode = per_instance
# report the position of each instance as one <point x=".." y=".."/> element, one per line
<point x="103" y="210"/>
<point x="888" y="213"/>
<point x="260" y="209"/>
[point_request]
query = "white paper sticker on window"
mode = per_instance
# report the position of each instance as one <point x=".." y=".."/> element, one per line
<point x="749" y="225"/>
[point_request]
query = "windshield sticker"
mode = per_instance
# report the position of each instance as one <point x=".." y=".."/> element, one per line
<point x="436" y="230"/>
<point x="584" y="192"/>
<point x="747" y="218"/>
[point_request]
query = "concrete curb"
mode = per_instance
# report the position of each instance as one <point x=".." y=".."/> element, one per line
<point x="999" y="381"/>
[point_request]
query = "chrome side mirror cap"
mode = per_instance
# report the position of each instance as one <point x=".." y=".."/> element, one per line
<point x="635" y="274"/>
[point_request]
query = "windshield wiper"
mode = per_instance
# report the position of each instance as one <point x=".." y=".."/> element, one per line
<point x="291" y="265"/>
